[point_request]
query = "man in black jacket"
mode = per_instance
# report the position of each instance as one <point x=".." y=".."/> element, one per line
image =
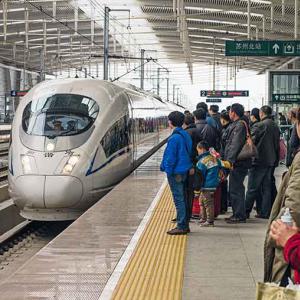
<point x="206" y="131"/>
<point x="265" y="136"/>
<point x="236" y="139"/>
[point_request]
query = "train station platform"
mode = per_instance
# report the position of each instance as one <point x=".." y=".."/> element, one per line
<point x="119" y="249"/>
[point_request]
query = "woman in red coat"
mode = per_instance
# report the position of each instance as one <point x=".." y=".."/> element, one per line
<point x="288" y="237"/>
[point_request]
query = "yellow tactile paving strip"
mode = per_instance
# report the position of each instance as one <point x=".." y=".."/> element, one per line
<point x="155" y="270"/>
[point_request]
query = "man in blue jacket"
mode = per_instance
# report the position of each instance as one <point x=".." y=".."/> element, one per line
<point x="176" y="163"/>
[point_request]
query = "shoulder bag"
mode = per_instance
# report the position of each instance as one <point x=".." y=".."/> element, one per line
<point x="249" y="149"/>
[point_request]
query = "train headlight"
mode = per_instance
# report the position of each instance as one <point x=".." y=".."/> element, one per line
<point x="71" y="163"/>
<point x="50" y="147"/>
<point x="25" y="160"/>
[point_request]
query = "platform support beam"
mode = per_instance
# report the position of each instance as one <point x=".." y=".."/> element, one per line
<point x="158" y="79"/>
<point x="106" y="42"/>
<point x="249" y="19"/>
<point x="142" y="68"/>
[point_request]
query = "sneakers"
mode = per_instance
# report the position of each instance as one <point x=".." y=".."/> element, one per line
<point x="229" y="218"/>
<point x="177" y="231"/>
<point x="201" y="221"/>
<point x="207" y="224"/>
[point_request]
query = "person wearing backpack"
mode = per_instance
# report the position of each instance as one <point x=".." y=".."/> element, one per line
<point x="176" y="163"/>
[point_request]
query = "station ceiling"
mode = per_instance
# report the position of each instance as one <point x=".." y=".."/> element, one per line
<point x="67" y="34"/>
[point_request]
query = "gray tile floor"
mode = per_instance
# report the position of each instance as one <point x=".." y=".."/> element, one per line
<point x="225" y="262"/>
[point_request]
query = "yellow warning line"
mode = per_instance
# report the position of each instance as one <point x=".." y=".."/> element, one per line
<point x="155" y="270"/>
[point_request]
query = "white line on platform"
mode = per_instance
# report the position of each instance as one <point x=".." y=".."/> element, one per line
<point x="115" y="276"/>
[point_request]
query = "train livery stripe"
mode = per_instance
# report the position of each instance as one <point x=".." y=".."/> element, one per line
<point x="118" y="154"/>
<point x="155" y="270"/>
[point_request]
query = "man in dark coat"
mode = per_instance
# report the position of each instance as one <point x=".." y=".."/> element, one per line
<point x="207" y="132"/>
<point x="236" y="139"/>
<point x="265" y="136"/>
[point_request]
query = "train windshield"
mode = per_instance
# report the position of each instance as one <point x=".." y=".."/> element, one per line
<point x="59" y="115"/>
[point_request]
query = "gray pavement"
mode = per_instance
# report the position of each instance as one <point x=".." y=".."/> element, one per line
<point x="225" y="262"/>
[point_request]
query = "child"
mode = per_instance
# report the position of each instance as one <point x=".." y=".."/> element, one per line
<point x="207" y="178"/>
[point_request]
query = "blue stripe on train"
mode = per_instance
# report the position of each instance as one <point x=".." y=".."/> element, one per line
<point x="90" y="169"/>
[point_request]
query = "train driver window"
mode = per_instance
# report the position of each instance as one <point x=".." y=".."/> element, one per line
<point x="59" y="115"/>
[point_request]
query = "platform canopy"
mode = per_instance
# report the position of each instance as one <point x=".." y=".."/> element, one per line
<point x="182" y="35"/>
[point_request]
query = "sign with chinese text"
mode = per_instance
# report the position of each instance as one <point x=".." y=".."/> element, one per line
<point x="224" y="94"/>
<point x="286" y="98"/>
<point x="262" y="48"/>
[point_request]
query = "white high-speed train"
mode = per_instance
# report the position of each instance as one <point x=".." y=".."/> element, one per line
<point x="74" y="139"/>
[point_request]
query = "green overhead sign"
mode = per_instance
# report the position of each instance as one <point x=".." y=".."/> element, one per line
<point x="286" y="98"/>
<point x="262" y="48"/>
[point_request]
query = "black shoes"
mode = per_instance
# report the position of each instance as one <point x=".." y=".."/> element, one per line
<point x="177" y="231"/>
<point x="260" y="217"/>
<point x="235" y="220"/>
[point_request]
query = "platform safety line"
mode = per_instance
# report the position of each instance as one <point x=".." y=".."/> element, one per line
<point x="120" y="267"/>
<point x="155" y="270"/>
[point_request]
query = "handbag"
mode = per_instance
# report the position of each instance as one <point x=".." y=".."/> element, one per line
<point x="269" y="292"/>
<point x="249" y="150"/>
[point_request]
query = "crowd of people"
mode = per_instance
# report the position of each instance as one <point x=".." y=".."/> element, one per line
<point x="209" y="149"/>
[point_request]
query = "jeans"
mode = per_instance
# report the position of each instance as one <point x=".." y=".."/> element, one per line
<point x="176" y="183"/>
<point x="260" y="187"/>
<point x="189" y="196"/>
<point x="237" y="192"/>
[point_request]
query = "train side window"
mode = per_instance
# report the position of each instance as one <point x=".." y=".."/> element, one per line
<point x="116" y="138"/>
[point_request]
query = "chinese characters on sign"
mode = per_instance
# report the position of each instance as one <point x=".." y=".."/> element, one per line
<point x="285" y="98"/>
<point x="262" y="48"/>
<point x="224" y="94"/>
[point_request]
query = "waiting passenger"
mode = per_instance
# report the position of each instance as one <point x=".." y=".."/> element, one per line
<point x="214" y="113"/>
<point x="294" y="142"/>
<point x="206" y="181"/>
<point x="205" y="131"/>
<point x="266" y="138"/>
<point x="225" y="121"/>
<point x="210" y="121"/>
<point x="176" y="163"/>
<point x="254" y="118"/>
<point x="236" y="139"/>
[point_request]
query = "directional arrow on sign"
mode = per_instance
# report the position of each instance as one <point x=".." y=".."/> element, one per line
<point x="276" y="48"/>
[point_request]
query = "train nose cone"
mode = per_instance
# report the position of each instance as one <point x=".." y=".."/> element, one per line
<point x="62" y="191"/>
<point x="29" y="191"/>
<point x="47" y="191"/>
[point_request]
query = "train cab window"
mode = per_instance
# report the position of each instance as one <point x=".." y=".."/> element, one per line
<point x="59" y="115"/>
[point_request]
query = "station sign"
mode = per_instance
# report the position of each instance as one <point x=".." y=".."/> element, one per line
<point x="262" y="48"/>
<point x="224" y="94"/>
<point x="15" y="93"/>
<point x="213" y="100"/>
<point x="286" y="98"/>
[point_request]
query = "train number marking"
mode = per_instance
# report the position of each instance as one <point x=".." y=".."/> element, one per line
<point x="49" y="154"/>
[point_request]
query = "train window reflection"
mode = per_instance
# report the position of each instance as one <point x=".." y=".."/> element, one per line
<point x="59" y="115"/>
<point x="117" y="137"/>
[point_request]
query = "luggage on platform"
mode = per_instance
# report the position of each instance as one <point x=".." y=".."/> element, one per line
<point x="217" y="204"/>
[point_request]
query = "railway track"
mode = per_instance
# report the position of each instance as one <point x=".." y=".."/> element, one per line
<point x="19" y="244"/>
